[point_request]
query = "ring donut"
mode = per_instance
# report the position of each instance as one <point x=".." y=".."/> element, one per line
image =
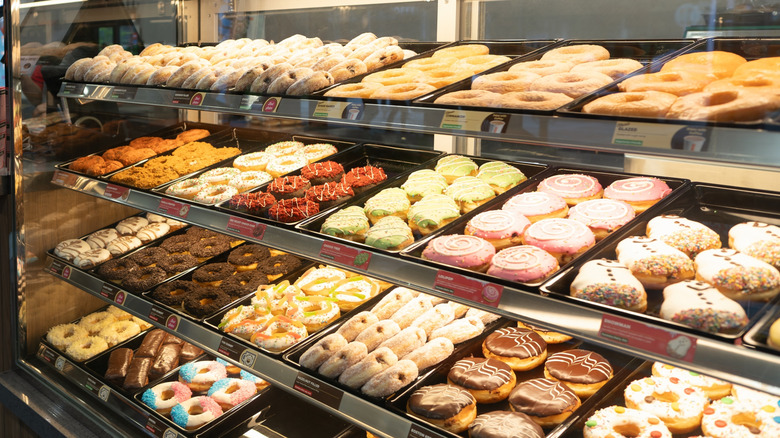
<point x="676" y="403"/>
<point x="533" y="100"/>
<point x="402" y="91"/>
<point x="542" y="68"/>
<point x="462" y="51"/>
<point x="619" y="421"/>
<point x="195" y="412"/>
<point x="577" y="54"/>
<point x="279" y="333"/>
<point x="571" y="84"/>
<point x="614" y="68"/>
<point x="470" y="98"/>
<point x="395" y="76"/>
<point x="732" y="418"/>
<point x="678" y="83"/>
<point x="724" y="106"/>
<point x="505" y="81"/>
<point x="634" y="104"/>
<point x="362" y="90"/>
<point x="443" y="77"/>
<point x="480" y="63"/>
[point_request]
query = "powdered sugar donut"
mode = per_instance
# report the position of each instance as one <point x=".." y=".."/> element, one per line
<point x="640" y="192"/>
<point x="756" y="239"/>
<point x="653" y="262"/>
<point x="736" y="275"/>
<point x="468" y="252"/>
<point x="602" y="216"/>
<point x="611" y="283"/>
<point x="688" y="236"/>
<point x="732" y="418"/>
<point x="536" y="206"/>
<point x="701" y="306"/>
<point x="714" y="388"/>
<point x="613" y="421"/>
<point x="678" y="404"/>
<point x="502" y="228"/>
<point x="524" y="263"/>
<point x="573" y="188"/>
<point x="460" y="330"/>
<point x="564" y="239"/>
<point x="195" y="412"/>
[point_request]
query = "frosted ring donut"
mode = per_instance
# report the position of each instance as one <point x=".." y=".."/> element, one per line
<point x="252" y="161"/>
<point x="505" y="81"/>
<point x="164" y="396"/>
<point x="279" y="334"/>
<point x="676" y="403"/>
<point x="284" y="148"/>
<point x="724" y="106"/>
<point x="318" y="311"/>
<point x="395" y="76"/>
<point x="462" y="51"/>
<point x="470" y="98"/>
<point x="571" y="84"/>
<point x="215" y="194"/>
<point x="533" y="100"/>
<point x="229" y="392"/>
<point x="362" y="90"/>
<point x="195" y="412"/>
<point x="286" y="164"/>
<point x="634" y="104"/>
<point x="199" y="376"/>
<point x="619" y="421"/>
<point x="402" y="91"/>
<point x="577" y="53"/>
<point x="731" y="418"/>
<point x="220" y="175"/>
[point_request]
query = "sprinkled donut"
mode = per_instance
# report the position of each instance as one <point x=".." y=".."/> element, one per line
<point x="617" y="421"/>
<point x="318" y="311"/>
<point x="468" y="252"/>
<point x="701" y="306"/>
<point x="218" y="176"/>
<point x="714" y="388"/>
<point x="285" y="164"/>
<point x="195" y="412"/>
<point x="736" y="275"/>
<point x="215" y="194"/>
<point x="229" y="392"/>
<point x="676" y="403"/>
<point x="279" y="334"/>
<point x="252" y="161"/>
<point x="611" y="283"/>
<point x="688" y="236"/>
<point x="757" y="239"/>
<point x="164" y="396"/>
<point x="732" y="418"/>
<point x="199" y="376"/>
<point x="654" y="263"/>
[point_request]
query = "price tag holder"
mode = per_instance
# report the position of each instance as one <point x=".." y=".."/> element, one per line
<point x="245" y="227"/>
<point x="237" y="352"/>
<point x="468" y="288"/>
<point x="651" y="339"/>
<point x="114" y="191"/>
<point x="124" y="93"/>
<point x="71" y="89"/>
<point x="96" y="387"/>
<point x="493" y="123"/>
<point x="317" y="390"/>
<point x="173" y="208"/>
<point x="258" y="105"/>
<point x="164" y="317"/>
<point x="345" y="255"/>
<point x="113" y="293"/>
<point x="159" y="429"/>
<point x="48" y="355"/>
<point x="28" y="64"/>
<point x="64" y="179"/>
<point x="339" y="110"/>
<point x="417" y="431"/>
<point x="59" y="268"/>
<point x="193" y="98"/>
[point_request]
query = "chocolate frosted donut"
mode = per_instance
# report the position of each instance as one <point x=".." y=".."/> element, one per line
<point x="117" y="269"/>
<point x="198" y="233"/>
<point x="521" y="348"/>
<point x="277" y="266"/>
<point x="149" y="256"/>
<point x="546" y="401"/>
<point x="504" y="424"/>
<point x="213" y="273"/>
<point x="204" y="301"/>
<point x="446" y="406"/>
<point x="209" y="247"/>
<point x="175" y="263"/>
<point x="243" y="283"/>
<point x="173" y="292"/>
<point x="581" y="370"/>
<point x="177" y="244"/>
<point x="488" y="380"/>
<point x="248" y="255"/>
<point x="142" y="279"/>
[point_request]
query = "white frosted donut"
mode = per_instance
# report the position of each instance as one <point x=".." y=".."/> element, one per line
<point x="252" y="162"/>
<point x="617" y="421"/>
<point x="577" y="53"/>
<point x="285" y="164"/>
<point x="195" y="412"/>
<point x="737" y="276"/>
<point x="69" y="249"/>
<point x="215" y="194"/>
<point x="732" y="418"/>
<point x="676" y="403"/>
<point x="714" y="388"/>
<point x="756" y="239"/>
<point x="571" y="84"/>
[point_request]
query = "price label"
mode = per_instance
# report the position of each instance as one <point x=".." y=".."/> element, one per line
<point x="651" y="339"/>
<point x="245" y="227"/>
<point x="72" y="89"/>
<point x="48" y="355"/>
<point x="247" y="101"/>
<point x="124" y="93"/>
<point x="113" y="293"/>
<point x="339" y="110"/>
<point x="64" y="179"/>
<point x="345" y="255"/>
<point x="57" y="267"/>
<point x="494" y="123"/>
<point x="469" y="288"/>
<point x="194" y="98"/>
<point x="237" y="352"/>
<point x="159" y="429"/>
<point x="164" y="317"/>
<point x="317" y="390"/>
<point x="416" y="431"/>
<point x="114" y="191"/>
<point x="93" y="385"/>
<point x="269" y="105"/>
<point x="173" y="208"/>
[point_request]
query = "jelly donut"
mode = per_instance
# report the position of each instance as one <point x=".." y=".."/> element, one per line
<point x="391" y="380"/>
<point x="497" y="424"/>
<point x="640" y="192"/>
<point x="342" y="359"/>
<point x="483" y="315"/>
<point x="377" y="333"/>
<point x="460" y="330"/>
<point x="581" y="370"/>
<point x="229" y="392"/>
<point x="524" y="263"/>
<point x="547" y="402"/>
<point x="676" y="403"/>
<point x="602" y="216"/>
<point x="654" y="263"/>
<point x="617" y="421"/>
<point x="468" y="252"/>
<point x="573" y="188"/>
<point x="452" y="167"/>
<point x="356" y="324"/>
<point x="357" y="374"/>
<point x="703" y="307"/>
<point x="611" y="283"/>
<point x="502" y="228"/>
<point x="714" y="388"/>
<point x="520" y="348"/>
<point x="756" y="239"/>
<point x="432" y="353"/>
<point x="164" y="396"/>
<point x="732" y="418"/>
<point x="737" y="276"/>
<point x="199" y="376"/>
<point x="195" y="412"/>
<point x="536" y="206"/>
<point x="688" y="236"/>
<point x="488" y="380"/>
<point x="564" y="239"/>
<point x="318" y="353"/>
<point x="445" y="406"/>
<point x="405" y="341"/>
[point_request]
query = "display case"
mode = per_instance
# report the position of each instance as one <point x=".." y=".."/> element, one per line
<point x="718" y="172"/>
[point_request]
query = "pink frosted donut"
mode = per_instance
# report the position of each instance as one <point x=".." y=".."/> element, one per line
<point x="525" y="263"/>
<point x="640" y="192"/>
<point x="564" y="239"/>
<point x="502" y="228"/>
<point x="199" y="376"/>
<point x="602" y="216"/>
<point x="164" y="396"/>
<point x="469" y="252"/>
<point x="573" y="188"/>
<point x="195" y="412"/>
<point x="230" y="392"/>
<point x="536" y="206"/>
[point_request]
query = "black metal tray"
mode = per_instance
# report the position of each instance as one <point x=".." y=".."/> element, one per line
<point x="718" y="207"/>
<point x="758" y="336"/>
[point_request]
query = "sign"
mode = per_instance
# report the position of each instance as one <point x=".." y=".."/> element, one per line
<point x="114" y="191"/>
<point x="661" y="136"/>
<point x="124" y="93"/>
<point x="245" y="227"/>
<point x="164" y="317"/>
<point x="113" y="293"/>
<point x="269" y="105"/>
<point x="318" y="390"/>
<point x="475" y="121"/>
<point x="28" y="64"/>
<point x="64" y="179"/>
<point x="159" y="429"/>
<point x="339" y="110"/>
<point x="72" y="89"/>
<point x="416" y="431"/>
<point x="237" y="352"/>
<point x="57" y="267"/>
<point x="345" y="255"/>
<point x="468" y="288"/>
<point x="173" y="208"/>
<point x="651" y="339"/>
<point x="194" y="98"/>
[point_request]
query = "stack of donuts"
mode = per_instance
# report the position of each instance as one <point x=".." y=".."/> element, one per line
<point x="108" y="243"/>
<point x="561" y="75"/>
<point x="382" y="350"/>
<point x="138" y="149"/>
<point x="714" y="86"/>
<point x="701" y="281"/>
<point x="281" y="315"/>
<point x="420" y="76"/>
<point x="95" y="333"/>
<point x="296" y="65"/>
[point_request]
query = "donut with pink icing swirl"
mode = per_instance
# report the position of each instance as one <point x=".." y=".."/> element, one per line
<point x="469" y="252"/>
<point x="537" y="205"/>
<point x="524" y="263"/>
<point x="573" y="188"/>
<point x="640" y="192"/>
<point x="602" y="216"/>
<point x="563" y="238"/>
<point x="500" y="227"/>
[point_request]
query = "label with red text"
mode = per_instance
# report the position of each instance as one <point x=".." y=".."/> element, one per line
<point x="113" y="293"/>
<point x="114" y="191"/>
<point x="469" y="288"/>
<point x="260" y="105"/>
<point x="59" y="268"/>
<point x="245" y="227"/>
<point x="193" y="98"/>
<point x="164" y="317"/>
<point x="345" y="254"/>
<point x="65" y="179"/>
<point x="651" y="339"/>
<point x="48" y="354"/>
<point x="173" y="208"/>
<point x="318" y="390"/>
<point x="158" y="428"/>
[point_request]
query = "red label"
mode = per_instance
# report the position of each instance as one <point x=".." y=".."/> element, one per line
<point x="651" y="339"/>
<point x="469" y="288"/>
<point x="114" y="191"/>
<point x="165" y="317"/>
<point x="346" y="255"/>
<point x="156" y="427"/>
<point x="271" y="104"/>
<point x="64" y="178"/>
<point x="173" y="208"/>
<point x="245" y="227"/>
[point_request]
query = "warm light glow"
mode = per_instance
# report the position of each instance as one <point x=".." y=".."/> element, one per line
<point x="48" y="3"/>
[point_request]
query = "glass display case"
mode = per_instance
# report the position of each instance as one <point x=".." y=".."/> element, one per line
<point x="65" y="187"/>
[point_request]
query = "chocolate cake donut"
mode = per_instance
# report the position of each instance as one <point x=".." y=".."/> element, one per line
<point x="581" y="370"/>
<point x="488" y="380"/>
<point x="545" y="401"/>
<point x="445" y="406"/>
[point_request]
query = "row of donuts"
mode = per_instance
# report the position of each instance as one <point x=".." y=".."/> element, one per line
<point x="381" y="350"/>
<point x="426" y="201"/>
<point x="701" y="281"/>
<point x="108" y="243"/>
<point x="249" y="171"/>
<point x="296" y="65"/>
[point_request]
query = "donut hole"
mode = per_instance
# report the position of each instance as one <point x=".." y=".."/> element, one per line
<point x="666" y="397"/>
<point x="722" y="98"/>
<point x="195" y="410"/>
<point x="629" y="430"/>
<point x="231" y="389"/>
<point x="634" y="98"/>
<point x="748" y="420"/>
<point x="167" y="395"/>
<point x="205" y="301"/>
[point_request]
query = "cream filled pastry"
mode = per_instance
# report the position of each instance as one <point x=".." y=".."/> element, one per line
<point x="640" y="192"/>
<point x="573" y="188"/>
<point x="736" y="275"/>
<point x="611" y="283"/>
<point x="688" y="236"/>
<point x="602" y="216"/>
<point x="537" y="205"/>
<point x="701" y="306"/>
<point x="469" y="252"/>
<point x="502" y="228"/>
<point x="756" y="239"/>
<point x="524" y="263"/>
<point x="564" y="239"/>
<point x="654" y="263"/>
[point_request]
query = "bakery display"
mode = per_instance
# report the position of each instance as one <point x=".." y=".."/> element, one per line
<point x="546" y="402"/>
<point x="681" y="412"/>
<point x="581" y="370"/>
<point x="446" y="406"/>
<point x="520" y="348"/>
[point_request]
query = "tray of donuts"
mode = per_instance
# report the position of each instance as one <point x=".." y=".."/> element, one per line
<point x="704" y="262"/>
<point x="390" y="219"/>
<point x="170" y="256"/>
<point x="115" y="241"/>
<point x="225" y="279"/>
<point x="765" y="333"/>
<point x="321" y="186"/>
<point x="538" y="228"/>
<point x="423" y="74"/>
<point x="221" y="181"/>
<point x="546" y="80"/>
<point x="518" y="377"/>
<point x="160" y="142"/>
<point x="392" y="342"/>
<point x="719" y="81"/>
<point x="280" y="315"/>
<point x="666" y="401"/>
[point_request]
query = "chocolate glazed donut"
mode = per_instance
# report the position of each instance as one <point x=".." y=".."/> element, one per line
<point x="446" y="406"/>
<point x="488" y="380"/>
<point x="581" y="370"/>
<point x="546" y="401"/>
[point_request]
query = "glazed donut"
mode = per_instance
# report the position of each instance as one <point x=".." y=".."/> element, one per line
<point x="468" y="252"/>
<point x="756" y="239"/>
<point x="505" y="81"/>
<point x="86" y="347"/>
<point x="679" y="83"/>
<point x="96" y="321"/>
<point x="431" y="63"/>
<point x="737" y="276"/>
<point x="119" y="331"/>
<point x="547" y="402"/>
<point x="377" y="333"/>
<point x="308" y="84"/>
<point x="318" y="353"/>
<point x="460" y="330"/>
<point x="445" y="406"/>
<point x="391" y="302"/>
<point x="717" y="64"/>
<point x="614" y="68"/>
<point x="769" y="84"/>
<point x="432" y="353"/>
<point x="118" y="72"/>
<point x="461" y="51"/>
<point x="488" y="380"/>
<point x="632" y="104"/>
<point x="395" y="76"/>
<point x="382" y="57"/>
<point x="77" y="68"/>
<point x="480" y="63"/>
<point x="639" y="192"/>
<point x="356" y="324"/>
<point x="732" y="418"/>
<point x="357" y="374"/>
<point x="63" y="335"/>
<point x="285" y="164"/>
<point x="195" y="412"/>
<point x="542" y="68"/>
<point x="142" y="74"/>
<point x="353" y="291"/>
<point x="405" y="341"/>
<point x="279" y="334"/>
<point x="164" y="396"/>
<point x="360" y="40"/>
<point x="713" y="388"/>
<point x="619" y="421"/>
<point x="577" y="54"/>
<point x="161" y="76"/>
<point x="686" y="235"/>
<point x="361" y="90"/>
<point x="401" y="91"/>
<point x="676" y="403"/>
<point x="266" y="78"/>
<point x="230" y="392"/>
<point x="585" y="372"/>
<point x="347" y="69"/>
<point x="342" y="359"/>
<point x="391" y="380"/>
<point x="724" y="106"/>
<point x="443" y="77"/>
<point x="572" y="84"/>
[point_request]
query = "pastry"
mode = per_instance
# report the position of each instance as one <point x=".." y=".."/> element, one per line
<point x="431" y="213"/>
<point x="654" y="263"/>
<point x="488" y="380"/>
<point x="468" y="252"/>
<point x="388" y="202"/>
<point x="520" y="348"/>
<point x="602" y="216"/>
<point x="581" y="370"/>
<point x="573" y="188"/>
<point x="611" y="283"/>
<point x="756" y="239"/>
<point x="502" y="228"/>
<point x="448" y="407"/>
<point x="640" y="192"/>
<point x="536" y="206"/>
<point x="736" y="275"/>
<point x="547" y="402"/>
<point x="498" y="424"/>
<point x="469" y="193"/>
<point x="391" y="233"/>
<point x="524" y="263"/>
<point x="564" y="239"/>
<point x="500" y="176"/>
<point x="703" y="307"/>
<point x="349" y="223"/>
<point x="688" y="236"/>
<point x="421" y="183"/>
